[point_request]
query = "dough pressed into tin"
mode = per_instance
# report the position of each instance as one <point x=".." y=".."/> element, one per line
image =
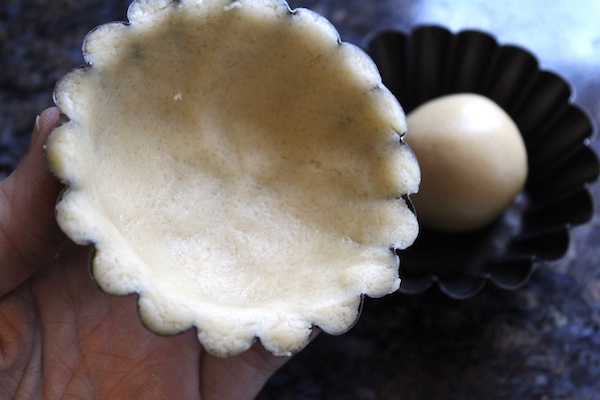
<point x="237" y="166"/>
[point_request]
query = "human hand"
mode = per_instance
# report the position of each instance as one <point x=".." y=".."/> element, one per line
<point x="62" y="337"/>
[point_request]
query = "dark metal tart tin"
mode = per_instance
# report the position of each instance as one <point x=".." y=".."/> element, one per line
<point x="431" y="61"/>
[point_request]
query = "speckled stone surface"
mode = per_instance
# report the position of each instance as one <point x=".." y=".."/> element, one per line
<point x="541" y="341"/>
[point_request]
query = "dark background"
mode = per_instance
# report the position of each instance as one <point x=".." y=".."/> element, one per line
<point x="541" y="341"/>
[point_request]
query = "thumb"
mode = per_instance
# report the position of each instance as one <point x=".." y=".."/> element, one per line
<point x="29" y="235"/>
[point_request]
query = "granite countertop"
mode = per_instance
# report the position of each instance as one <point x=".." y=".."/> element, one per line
<point x="541" y="341"/>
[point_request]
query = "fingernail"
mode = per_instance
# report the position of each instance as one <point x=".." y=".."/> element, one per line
<point x="34" y="134"/>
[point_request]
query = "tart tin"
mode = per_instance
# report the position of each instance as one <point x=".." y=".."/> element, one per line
<point x="431" y="61"/>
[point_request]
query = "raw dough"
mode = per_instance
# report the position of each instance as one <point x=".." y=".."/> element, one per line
<point x="473" y="161"/>
<point x="237" y="166"/>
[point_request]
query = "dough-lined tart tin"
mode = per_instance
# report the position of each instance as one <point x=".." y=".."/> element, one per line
<point x="432" y="61"/>
<point x="237" y="166"/>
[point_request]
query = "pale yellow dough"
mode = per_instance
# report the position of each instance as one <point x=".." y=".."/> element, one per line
<point x="238" y="167"/>
<point x="473" y="160"/>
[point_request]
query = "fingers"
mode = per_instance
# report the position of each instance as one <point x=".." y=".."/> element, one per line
<point x="29" y="235"/>
<point x="241" y="377"/>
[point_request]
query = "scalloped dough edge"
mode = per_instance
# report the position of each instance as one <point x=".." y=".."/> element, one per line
<point x="280" y="332"/>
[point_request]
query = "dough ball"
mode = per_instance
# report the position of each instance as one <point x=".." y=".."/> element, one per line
<point x="473" y="161"/>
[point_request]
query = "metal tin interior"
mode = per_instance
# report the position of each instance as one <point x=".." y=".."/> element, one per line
<point x="431" y="61"/>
